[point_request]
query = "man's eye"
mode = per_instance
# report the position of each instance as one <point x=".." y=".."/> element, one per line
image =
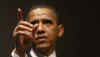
<point x="47" y="22"/>
<point x="34" y="22"/>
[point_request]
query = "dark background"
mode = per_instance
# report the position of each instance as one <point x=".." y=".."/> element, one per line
<point x="80" y="18"/>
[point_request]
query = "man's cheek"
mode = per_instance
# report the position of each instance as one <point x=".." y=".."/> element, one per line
<point x="50" y="28"/>
<point x="52" y="35"/>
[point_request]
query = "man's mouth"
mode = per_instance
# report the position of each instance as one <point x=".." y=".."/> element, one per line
<point x="41" y="38"/>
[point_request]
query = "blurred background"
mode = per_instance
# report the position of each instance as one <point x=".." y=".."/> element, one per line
<point x="80" y="18"/>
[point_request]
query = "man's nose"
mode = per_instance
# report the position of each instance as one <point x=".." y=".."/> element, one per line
<point x="40" y="29"/>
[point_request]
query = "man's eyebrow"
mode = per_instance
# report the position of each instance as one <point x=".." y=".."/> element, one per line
<point x="46" y="18"/>
<point x="48" y="21"/>
<point x="34" y="20"/>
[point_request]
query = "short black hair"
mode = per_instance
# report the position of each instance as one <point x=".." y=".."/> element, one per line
<point x="54" y="9"/>
<point x="26" y="11"/>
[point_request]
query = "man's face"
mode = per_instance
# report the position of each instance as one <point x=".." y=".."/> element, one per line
<point x="45" y="33"/>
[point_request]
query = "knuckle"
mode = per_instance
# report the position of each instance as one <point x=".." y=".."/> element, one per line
<point x="26" y="23"/>
<point x="20" y="26"/>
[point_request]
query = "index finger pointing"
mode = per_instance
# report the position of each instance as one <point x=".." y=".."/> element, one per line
<point x="19" y="14"/>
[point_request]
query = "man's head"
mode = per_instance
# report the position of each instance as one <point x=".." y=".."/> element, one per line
<point x="47" y="30"/>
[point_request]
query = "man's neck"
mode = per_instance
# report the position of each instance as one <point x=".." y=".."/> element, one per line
<point x="44" y="51"/>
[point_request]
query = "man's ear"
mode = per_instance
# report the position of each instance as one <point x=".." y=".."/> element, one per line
<point x="60" y="30"/>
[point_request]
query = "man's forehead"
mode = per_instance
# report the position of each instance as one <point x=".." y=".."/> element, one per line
<point x="41" y="12"/>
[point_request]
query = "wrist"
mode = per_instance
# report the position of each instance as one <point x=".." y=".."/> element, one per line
<point x="20" y="52"/>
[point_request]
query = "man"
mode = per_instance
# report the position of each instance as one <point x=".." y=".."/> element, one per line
<point x="36" y="34"/>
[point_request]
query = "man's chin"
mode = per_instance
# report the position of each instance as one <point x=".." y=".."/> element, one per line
<point x="43" y="45"/>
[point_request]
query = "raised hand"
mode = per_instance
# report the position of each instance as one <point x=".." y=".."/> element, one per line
<point x="23" y="33"/>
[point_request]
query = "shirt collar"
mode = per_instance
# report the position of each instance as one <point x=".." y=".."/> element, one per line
<point x="33" y="54"/>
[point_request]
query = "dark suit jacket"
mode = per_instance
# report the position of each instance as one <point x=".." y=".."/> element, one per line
<point x="58" y="54"/>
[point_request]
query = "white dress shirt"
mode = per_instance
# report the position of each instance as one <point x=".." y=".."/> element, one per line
<point x="33" y="54"/>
